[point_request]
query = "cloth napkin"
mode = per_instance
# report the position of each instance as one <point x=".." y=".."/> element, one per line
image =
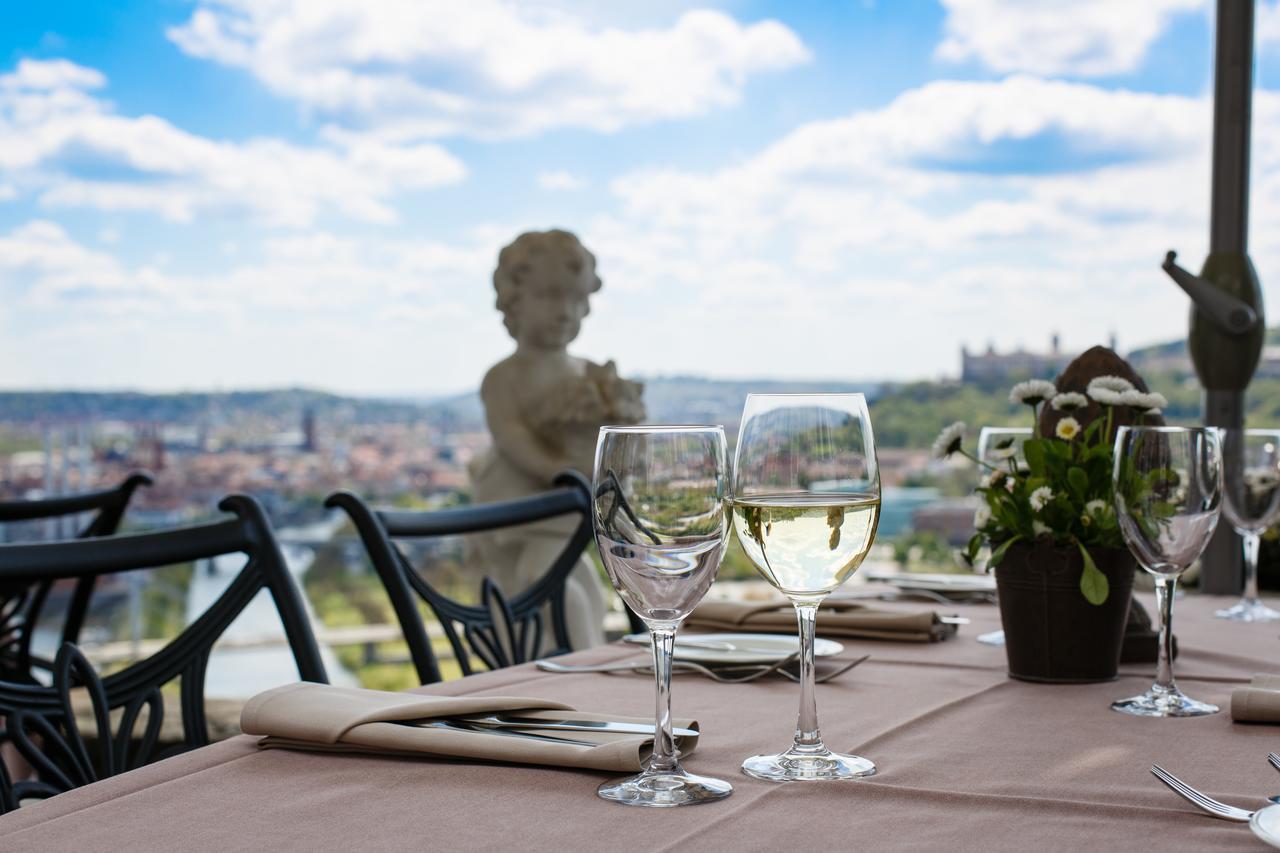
<point x="324" y="718"/>
<point x="836" y="618"/>
<point x="1259" y="702"/>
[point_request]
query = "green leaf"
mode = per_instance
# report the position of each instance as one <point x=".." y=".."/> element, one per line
<point x="998" y="554"/>
<point x="1093" y="583"/>
<point x="1078" y="480"/>
<point x="1033" y="450"/>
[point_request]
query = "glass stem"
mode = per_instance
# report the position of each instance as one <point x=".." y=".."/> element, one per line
<point x="1251" y="544"/>
<point x="1164" y="665"/>
<point x="664" y="759"/>
<point x="808" y="738"/>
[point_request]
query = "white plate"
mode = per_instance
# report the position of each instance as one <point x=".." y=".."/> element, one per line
<point x="1265" y="824"/>
<point x="937" y="582"/>
<point x="739" y="648"/>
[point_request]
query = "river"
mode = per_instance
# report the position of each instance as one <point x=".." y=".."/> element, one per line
<point x="240" y="673"/>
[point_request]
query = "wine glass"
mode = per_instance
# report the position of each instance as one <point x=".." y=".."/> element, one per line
<point x="661" y="524"/>
<point x="1000" y="447"/>
<point x="1168" y="496"/>
<point x="806" y="500"/>
<point x="1251" y="476"/>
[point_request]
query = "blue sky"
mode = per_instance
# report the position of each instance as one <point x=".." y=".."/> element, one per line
<point x="223" y="193"/>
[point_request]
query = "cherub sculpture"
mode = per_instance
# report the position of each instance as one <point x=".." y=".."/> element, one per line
<point x="544" y="408"/>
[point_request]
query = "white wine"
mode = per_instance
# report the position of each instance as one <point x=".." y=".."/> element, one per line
<point x="806" y="544"/>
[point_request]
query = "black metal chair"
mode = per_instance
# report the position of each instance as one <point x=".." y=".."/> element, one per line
<point x="21" y="604"/>
<point x="40" y="719"/>
<point x="499" y="631"/>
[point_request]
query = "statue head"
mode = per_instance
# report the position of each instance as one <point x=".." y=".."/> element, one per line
<point x="543" y="281"/>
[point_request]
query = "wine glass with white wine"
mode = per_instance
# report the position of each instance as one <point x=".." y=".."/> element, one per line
<point x="806" y="501"/>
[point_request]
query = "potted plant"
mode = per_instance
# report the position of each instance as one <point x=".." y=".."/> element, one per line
<point x="1063" y="573"/>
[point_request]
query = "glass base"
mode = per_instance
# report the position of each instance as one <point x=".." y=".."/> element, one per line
<point x="794" y="766"/>
<point x="1248" y="610"/>
<point x="991" y="638"/>
<point x="661" y="790"/>
<point x="1164" y="703"/>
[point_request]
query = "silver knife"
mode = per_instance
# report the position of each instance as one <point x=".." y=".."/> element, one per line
<point x="463" y="726"/>
<point x="606" y="726"/>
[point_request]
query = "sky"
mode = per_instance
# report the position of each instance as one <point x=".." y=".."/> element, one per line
<point x="219" y="194"/>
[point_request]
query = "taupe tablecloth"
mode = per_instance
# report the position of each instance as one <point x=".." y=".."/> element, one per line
<point x="969" y="760"/>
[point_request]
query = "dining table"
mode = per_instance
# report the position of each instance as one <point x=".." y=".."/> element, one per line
<point x="967" y="759"/>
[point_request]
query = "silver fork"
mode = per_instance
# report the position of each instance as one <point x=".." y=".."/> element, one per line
<point x="781" y="668"/>
<point x="1200" y="800"/>
<point x="741" y="673"/>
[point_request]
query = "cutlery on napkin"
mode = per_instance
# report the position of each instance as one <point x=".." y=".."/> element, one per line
<point x="324" y="718"/>
<point x="1257" y="703"/>
<point x="837" y="618"/>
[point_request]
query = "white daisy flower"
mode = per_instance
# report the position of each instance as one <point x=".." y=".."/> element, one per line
<point x="1069" y="401"/>
<point x="1067" y="429"/>
<point x="1096" y="507"/>
<point x="1143" y="402"/>
<point x="1106" y="396"/>
<point x="1039" y="528"/>
<point x="981" y="516"/>
<point x="1112" y="383"/>
<point x="1033" y="392"/>
<point x="1040" y="498"/>
<point x="949" y="440"/>
<point x="1009" y="485"/>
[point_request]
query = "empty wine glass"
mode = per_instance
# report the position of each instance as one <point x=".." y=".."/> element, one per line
<point x="661" y="524"/>
<point x="1251" y="503"/>
<point x="1168" y="496"/>
<point x="1000" y="447"/>
<point x="806" y="500"/>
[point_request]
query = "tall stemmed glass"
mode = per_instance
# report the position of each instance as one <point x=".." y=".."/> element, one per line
<point x="1168" y="496"/>
<point x="806" y="500"/>
<point x="1000" y="447"/>
<point x="661" y="524"/>
<point x="1251" y="479"/>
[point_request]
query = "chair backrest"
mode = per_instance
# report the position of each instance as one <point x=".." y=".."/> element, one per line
<point x="22" y="603"/>
<point x="500" y="631"/>
<point x="186" y="657"/>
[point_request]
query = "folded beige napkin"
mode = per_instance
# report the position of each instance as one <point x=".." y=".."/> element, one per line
<point x="836" y="618"/>
<point x="342" y="719"/>
<point x="1259" y="702"/>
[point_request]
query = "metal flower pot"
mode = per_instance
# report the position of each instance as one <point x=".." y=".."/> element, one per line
<point x="1052" y="634"/>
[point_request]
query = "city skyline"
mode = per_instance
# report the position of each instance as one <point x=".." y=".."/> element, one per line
<point x="220" y="194"/>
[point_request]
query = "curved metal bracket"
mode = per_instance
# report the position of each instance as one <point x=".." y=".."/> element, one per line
<point x="1229" y="314"/>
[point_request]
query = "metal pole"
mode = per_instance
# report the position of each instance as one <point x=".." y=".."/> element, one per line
<point x="1222" y="571"/>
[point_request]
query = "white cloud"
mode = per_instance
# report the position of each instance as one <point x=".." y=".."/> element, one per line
<point x="1266" y="25"/>
<point x="431" y="68"/>
<point x="419" y="314"/>
<point x="874" y="244"/>
<point x="560" y="180"/>
<point x="71" y="149"/>
<point x="1082" y="37"/>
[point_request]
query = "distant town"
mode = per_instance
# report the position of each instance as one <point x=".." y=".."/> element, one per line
<point x="292" y="447"/>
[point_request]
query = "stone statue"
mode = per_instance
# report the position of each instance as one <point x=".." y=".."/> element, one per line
<point x="544" y="409"/>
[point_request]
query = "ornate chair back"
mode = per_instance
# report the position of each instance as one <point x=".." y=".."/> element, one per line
<point x="501" y="630"/>
<point x="21" y="603"/>
<point x="41" y="720"/>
